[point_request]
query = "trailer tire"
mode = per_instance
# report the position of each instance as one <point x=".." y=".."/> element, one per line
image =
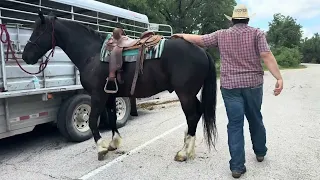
<point x="73" y="118"/>
<point x="123" y="108"/>
<point x="60" y="116"/>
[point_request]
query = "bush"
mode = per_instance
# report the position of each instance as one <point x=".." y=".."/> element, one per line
<point x="218" y="64"/>
<point x="287" y="57"/>
<point x="310" y="48"/>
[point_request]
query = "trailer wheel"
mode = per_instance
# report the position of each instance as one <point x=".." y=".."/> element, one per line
<point x="60" y="118"/>
<point x="73" y="118"/>
<point x="123" y="108"/>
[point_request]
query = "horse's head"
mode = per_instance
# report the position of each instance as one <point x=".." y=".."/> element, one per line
<point x="42" y="39"/>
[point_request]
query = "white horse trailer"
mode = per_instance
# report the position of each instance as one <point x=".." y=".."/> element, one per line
<point x="29" y="100"/>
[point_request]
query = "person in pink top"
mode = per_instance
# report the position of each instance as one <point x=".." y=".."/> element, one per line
<point x="241" y="49"/>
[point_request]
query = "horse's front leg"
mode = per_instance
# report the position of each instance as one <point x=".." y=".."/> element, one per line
<point x="111" y="110"/>
<point x="97" y="106"/>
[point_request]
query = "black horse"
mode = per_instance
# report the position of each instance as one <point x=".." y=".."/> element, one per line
<point x="183" y="68"/>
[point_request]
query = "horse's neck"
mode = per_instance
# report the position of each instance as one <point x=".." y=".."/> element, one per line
<point x="78" y="45"/>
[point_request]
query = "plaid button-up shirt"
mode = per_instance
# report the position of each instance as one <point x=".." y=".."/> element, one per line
<point x="240" y="47"/>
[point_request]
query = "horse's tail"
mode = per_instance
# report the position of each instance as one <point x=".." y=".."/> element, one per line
<point x="209" y="101"/>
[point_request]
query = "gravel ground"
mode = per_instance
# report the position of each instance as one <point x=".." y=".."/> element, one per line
<point x="152" y="139"/>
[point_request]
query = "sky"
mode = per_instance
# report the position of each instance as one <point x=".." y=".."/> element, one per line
<point x="306" y="13"/>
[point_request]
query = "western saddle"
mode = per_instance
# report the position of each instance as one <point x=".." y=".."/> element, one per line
<point x="120" y="42"/>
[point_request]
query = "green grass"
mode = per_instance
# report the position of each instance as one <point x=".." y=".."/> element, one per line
<point x="283" y="68"/>
<point x="265" y="68"/>
<point x="298" y="67"/>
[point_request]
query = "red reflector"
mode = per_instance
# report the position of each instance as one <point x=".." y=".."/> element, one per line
<point x="43" y="114"/>
<point x="24" y="118"/>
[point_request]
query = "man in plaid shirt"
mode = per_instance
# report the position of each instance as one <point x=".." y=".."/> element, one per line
<point x="241" y="48"/>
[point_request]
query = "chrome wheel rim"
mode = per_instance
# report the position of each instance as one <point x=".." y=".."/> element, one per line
<point x="121" y="108"/>
<point x="81" y="117"/>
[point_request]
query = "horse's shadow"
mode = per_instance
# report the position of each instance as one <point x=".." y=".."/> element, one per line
<point x="45" y="137"/>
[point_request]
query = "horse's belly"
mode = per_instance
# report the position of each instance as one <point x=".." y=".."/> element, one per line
<point x="152" y="81"/>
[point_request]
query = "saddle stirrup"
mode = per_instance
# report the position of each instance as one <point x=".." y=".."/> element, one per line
<point x="111" y="91"/>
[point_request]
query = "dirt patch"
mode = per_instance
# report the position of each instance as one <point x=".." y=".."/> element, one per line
<point x="151" y="105"/>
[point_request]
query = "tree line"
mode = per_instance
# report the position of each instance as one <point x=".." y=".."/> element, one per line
<point x="205" y="16"/>
<point x="288" y="46"/>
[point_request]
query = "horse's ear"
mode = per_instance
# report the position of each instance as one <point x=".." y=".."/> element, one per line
<point x="40" y="13"/>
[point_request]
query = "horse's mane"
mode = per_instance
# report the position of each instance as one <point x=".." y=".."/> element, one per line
<point x="102" y="36"/>
<point x="90" y="30"/>
<point x="77" y="26"/>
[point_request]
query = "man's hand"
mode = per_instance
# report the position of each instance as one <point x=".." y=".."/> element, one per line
<point x="278" y="87"/>
<point x="272" y="65"/>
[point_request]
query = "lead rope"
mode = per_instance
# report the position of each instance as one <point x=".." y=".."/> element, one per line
<point x="7" y="41"/>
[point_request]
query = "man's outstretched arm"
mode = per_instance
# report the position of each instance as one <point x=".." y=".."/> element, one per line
<point x="193" y="38"/>
<point x="206" y="40"/>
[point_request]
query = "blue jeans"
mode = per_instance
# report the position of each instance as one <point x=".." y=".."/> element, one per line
<point x="242" y="102"/>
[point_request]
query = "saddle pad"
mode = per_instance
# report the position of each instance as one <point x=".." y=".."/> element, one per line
<point x="132" y="54"/>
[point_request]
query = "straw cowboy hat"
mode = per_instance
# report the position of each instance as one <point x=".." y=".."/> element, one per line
<point x="239" y="12"/>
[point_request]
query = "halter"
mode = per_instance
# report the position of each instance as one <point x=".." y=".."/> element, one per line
<point x="7" y="41"/>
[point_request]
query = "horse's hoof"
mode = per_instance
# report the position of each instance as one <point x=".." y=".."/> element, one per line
<point x="134" y="113"/>
<point x="102" y="154"/>
<point x="102" y="147"/>
<point x="110" y="148"/>
<point x="115" y="143"/>
<point x="191" y="155"/>
<point x="180" y="157"/>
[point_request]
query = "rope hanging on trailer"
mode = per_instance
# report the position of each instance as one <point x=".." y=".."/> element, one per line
<point x="8" y="41"/>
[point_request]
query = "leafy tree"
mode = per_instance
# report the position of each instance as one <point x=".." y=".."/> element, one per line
<point x="148" y="7"/>
<point x="285" y="37"/>
<point x="196" y="16"/>
<point x="213" y="15"/>
<point x="284" y="31"/>
<point x="187" y="16"/>
<point x="310" y="49"/>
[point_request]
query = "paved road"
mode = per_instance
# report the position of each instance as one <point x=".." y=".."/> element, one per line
<point x="151" y="141"/>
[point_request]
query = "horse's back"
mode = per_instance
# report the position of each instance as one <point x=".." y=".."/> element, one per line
<point x="182" y="49"/>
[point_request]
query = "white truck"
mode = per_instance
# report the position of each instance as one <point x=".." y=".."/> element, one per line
<point x="29" y="100"/>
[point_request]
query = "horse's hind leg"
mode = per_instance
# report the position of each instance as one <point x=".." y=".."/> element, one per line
<point x="192" y="110"/>
<point x="111" y="110"/>
<point x="133" y="103"/>
<point x="97" y="105"/>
